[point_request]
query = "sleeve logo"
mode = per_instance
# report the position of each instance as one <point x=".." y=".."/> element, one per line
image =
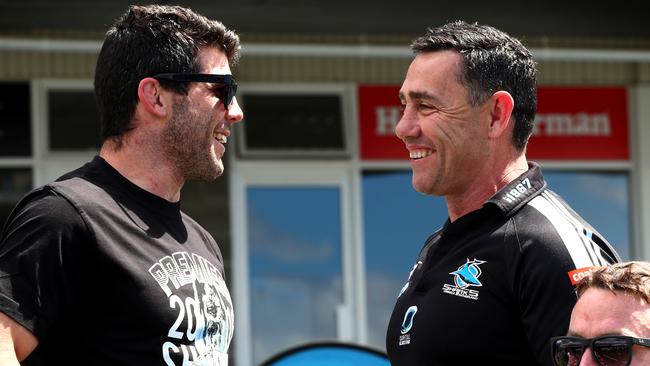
<point x="578" y="274"/>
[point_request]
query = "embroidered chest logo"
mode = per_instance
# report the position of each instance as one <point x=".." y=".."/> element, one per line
<point x="465" y="276"/>
<point x="407" y="324"/>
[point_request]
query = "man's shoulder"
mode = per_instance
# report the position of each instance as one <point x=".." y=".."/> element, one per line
<point x="87" y="171"/>
<point x="548" y="208"/>
<point x="42" y="210"/>
<point x="547" y="219"/>
<point x="42" y="200"/>
<point x="88" y="182"/>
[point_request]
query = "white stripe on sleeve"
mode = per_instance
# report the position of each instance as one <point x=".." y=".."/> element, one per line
<point x="571" y="236"/>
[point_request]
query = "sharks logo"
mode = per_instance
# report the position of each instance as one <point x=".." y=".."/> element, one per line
<point x="468" y="274"/>
<point x="465" y="276"/>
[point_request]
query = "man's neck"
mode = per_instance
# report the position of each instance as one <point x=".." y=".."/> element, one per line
<point x="484" y="186"/>
<point x="144" y="167"/>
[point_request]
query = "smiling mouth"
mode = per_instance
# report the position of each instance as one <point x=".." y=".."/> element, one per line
<point x="222" y="138"/>
<point x="420" y="153"/>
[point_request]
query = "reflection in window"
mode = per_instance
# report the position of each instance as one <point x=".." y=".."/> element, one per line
<point x="397" y="221"/>
<point x="14" y="183"/>
<point x="295" y="266"/>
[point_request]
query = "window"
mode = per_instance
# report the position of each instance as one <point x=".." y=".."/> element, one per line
<point x="73" y="120"/>
<point x="293" y="124"/>
<point x="397" y="221"/>
<point x="295" y="266"/>
<point x="15" y="120"/>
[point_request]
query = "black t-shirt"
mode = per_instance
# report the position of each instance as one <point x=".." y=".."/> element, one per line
<point x="103" y="272"/>
<point x="495" y="285"/>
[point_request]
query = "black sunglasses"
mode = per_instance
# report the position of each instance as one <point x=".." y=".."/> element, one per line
<point x="611" y="350"/>
<point x="227" y="85"/>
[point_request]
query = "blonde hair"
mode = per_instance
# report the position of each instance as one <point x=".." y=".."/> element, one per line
<point x="630" y="277"/>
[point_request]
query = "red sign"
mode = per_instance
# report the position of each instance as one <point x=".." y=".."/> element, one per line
<point x="379" y="112"/>
<point x="580" y="124"/>
<point x="571" y="124"/>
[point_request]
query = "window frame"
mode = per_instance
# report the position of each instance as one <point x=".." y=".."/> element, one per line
<point x="49" y="164"/>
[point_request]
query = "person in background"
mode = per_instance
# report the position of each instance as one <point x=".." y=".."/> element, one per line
<point x="495" y="283"/>
<point x="610" y="323"/>
<point x="101" y="267"/>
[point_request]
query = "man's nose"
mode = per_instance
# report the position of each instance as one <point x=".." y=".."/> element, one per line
<point x="588" y="359"/>
<point x="234" y="113"/>
<point x="406" y="126"/>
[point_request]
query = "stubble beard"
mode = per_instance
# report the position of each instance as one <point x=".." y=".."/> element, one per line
<point x="430" y="182"/>
<point x="429" y="185"/>
<point x="187" y="142"/>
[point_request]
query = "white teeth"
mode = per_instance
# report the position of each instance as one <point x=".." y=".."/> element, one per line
<point x="221" y="137"/>
<point x="420" y="153"/>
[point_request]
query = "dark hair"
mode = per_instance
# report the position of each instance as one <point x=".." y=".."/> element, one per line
<point x="630" y="277"/>
<point x="145" y="41"/>
<point x="492" y="61"/>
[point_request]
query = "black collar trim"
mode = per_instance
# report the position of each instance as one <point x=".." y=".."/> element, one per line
<point x="520" y="191"/>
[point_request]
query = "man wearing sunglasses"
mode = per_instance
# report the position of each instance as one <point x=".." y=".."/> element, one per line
<point x="610" y="323"/>
<point x="102" y="267"/>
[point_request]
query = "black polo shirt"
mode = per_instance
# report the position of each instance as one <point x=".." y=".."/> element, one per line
<point x="496" y="284"/>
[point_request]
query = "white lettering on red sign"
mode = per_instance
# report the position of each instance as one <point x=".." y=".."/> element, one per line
<point x="578" y="124"/>
<point x="386" y="118"/>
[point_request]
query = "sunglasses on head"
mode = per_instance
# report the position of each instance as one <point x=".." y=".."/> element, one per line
<point x="227" y="85"/>
<point x="612" y="350"/>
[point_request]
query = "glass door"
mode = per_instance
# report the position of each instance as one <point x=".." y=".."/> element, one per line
<point x="291" y="257"/>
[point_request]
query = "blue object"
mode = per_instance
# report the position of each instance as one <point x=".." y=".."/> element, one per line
<point x="329" y="354"/>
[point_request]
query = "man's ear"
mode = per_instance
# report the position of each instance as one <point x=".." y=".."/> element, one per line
<point x="501" y="106"/>
<point x="152" y="98"/>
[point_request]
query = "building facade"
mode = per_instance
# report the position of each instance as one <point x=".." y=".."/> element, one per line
<point x="315" y="214"/>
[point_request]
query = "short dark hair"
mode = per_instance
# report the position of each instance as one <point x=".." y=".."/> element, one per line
<point x="147" y="40"/>
<point x="492" y="61"/>
<point x="629" y="277"/>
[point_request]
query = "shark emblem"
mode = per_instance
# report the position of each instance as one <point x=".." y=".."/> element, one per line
<point x="468" y="274"/>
